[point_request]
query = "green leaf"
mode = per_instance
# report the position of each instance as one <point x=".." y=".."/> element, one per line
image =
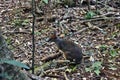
<point x="103" y="46"/>
<point x="97" y="64"/>
<point x="69" y="2"/>
<point x="8" y="40"/>
<point x="15" y="63"/>
<point x="74" y="68"/>
<point x="71" y="69"/>
<point x="97" y="71"/>
<point x="37" y="33"/>
<point x="25" y="22"/>
<point x="96" y="67"/>
<point x="88" y="69"/>
<point x="45" y="1"/>
<point x="113" y="53"/>
<point x="89" y="15"/>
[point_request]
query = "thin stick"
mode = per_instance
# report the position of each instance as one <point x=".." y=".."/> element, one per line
<point x="33" y="38"/>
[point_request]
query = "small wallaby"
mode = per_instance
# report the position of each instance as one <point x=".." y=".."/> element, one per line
<point x="71" y="50"/>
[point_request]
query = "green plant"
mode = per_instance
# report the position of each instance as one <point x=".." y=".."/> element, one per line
<point x="103" y="47"/>
<point x="114" y="34"/>
<point x="45" y="1"/>
<point x="5" y="76"/>
<point x="8" y="40"/>
<point x="71" y="69"/>
<point x="89" y="15"/>
<point x="108" y="49"/>
<point x="94" y="68"/>
<point x="19" y="22"/>
<point x="14" y="63"/>
<point x="113" y="52"/>
<point x="68" y="2"/>
<point x="37" y="33"/>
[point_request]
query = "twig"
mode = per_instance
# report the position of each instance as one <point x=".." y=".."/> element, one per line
<point x="93" y="27"/>
<point x="80" y="31"/>
<point x="58" y="69"/>
<point x="66" y="78"/>
<point x="51" y="57"/>
<point x="54" y="76"/>
<point x="16" y="32"/>
<point x="96" y="19"/>
<point x="33" y="38"/>
<point x="32" y="76"/>
<point x="47" y="73"/>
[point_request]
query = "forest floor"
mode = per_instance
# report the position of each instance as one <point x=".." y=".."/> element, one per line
<point x="98" y="33"/>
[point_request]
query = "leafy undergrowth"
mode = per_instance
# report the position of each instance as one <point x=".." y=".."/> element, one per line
<point x="98" y="33"/>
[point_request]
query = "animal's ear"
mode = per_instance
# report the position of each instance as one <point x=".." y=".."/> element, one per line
<point x="53" y="34"/>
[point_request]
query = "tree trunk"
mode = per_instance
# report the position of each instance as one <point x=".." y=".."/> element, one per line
<point x="9" y="72"/>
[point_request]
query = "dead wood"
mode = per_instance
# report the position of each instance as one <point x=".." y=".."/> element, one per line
<point x="51" y="57"/>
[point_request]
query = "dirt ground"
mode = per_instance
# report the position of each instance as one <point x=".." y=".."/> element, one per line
<point x="98" y="33"/>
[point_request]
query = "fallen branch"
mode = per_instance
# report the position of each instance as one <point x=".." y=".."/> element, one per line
<point x="54" y="76"/>
<point x="16" y="32"/>
<point x="93" y="27"/>
<point x="32" y="76"/>
<point x="80" y="31"/>
<point x="56" y="70"/>
<point x="66" y="78"/>
<point x="51" y="57"/>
